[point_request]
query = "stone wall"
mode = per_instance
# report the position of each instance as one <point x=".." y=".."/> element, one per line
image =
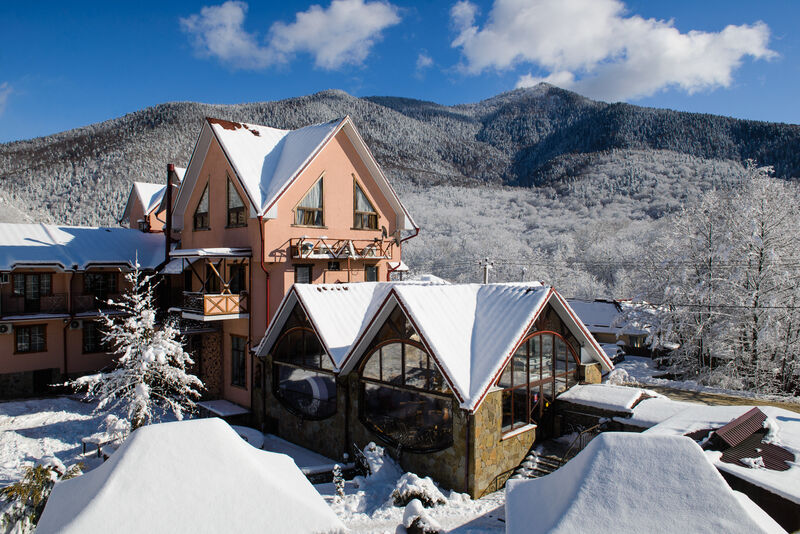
<point x="211" y="365"/>
<point x="492" y="455"/>
<point x="590" y="373"/>
<point x="23" y="384"/>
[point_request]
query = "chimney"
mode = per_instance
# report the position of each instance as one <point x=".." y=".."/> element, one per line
<point x="168" y="222"/>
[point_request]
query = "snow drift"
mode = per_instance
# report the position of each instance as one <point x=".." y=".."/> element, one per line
<point x="189" y="476"/>
<point x="625" y="482"/>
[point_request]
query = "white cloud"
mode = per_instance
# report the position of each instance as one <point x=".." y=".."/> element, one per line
<point x="341" y="34"/>
<point x="597" y="49"/>
<point x="5" y="92"/>
<point x="424" y="61"/>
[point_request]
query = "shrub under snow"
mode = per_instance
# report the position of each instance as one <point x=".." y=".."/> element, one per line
<point x="410" y="487"/>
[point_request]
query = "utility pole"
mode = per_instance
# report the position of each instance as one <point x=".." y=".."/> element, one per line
<point x="486" y="265"/>
<point x="524" y="271"/>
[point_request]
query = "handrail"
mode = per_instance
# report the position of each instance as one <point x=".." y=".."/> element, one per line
<point x="578" y="439"/>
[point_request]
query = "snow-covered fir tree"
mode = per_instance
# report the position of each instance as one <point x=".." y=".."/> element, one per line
<point x="151" y="375"/>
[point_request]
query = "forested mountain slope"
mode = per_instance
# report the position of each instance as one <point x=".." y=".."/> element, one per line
<point x="536" y="178"/>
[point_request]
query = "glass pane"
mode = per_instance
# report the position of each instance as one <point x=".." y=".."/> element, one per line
<point x="44" y="284"/>
<point x="313" y="198"/>
<point x="362" y="202"/>
<point x="313" y="351"/>
<point x="202" y="207"/>
<point x="19" y="284"/>
<point x="409" y="418"/>
<point x="32" y="287"/>
<point x="534" y="361"/>
<point x="520" y="401"/>
<point x="505" y="378"/>
<point x="372" y="369"/>
<point x="521" y="366"/>
<point x="437" y="379"/>
<point x="234" y="200"/>
<point x="561" y="354"/>
<point x="506" y="425"/>
<point x="310" y="392"/>
<point x="416" y="367"/>
<point x="392" y="363"/>
<point x="547" y="355"/>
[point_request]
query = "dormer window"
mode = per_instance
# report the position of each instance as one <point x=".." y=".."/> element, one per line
<point x="364" y="215"/>
<point x="236" y="215"/>
<point x="309" y="211"/>
<point x="201" y="213"/>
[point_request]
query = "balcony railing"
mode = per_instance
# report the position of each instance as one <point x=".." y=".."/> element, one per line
<point x="210" y="305"/>
<point x="92" y="303"/>
<point x="19" y="305"/>
<point x="323" y="248"/>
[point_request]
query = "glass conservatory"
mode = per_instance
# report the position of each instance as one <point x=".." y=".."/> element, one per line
<point x="303" y="377"/>
<point x="404" y="397"/>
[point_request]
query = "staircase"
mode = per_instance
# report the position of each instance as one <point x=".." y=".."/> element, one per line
<point x="537" y="464"/>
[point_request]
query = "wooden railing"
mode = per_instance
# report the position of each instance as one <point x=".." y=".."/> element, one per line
<point x="324" y="248"/>
<point x="215" y="304"/>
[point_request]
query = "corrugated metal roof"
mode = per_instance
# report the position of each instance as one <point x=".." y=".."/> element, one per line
<point x="742" y="427"/>
<point x="773" y="456"/>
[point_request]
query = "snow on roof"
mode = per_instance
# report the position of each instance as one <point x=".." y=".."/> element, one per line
<point x="214" y="252"/>
<point x="189" y="476"/>
<point x="785" y="432"/>
<point x="340" y="312"/>
<point x="471" y="328"/>
<point x="624" y="482"/>
<point x="267" y="159"/>
<point x="68" y="246"/>
<point x="607" y="396"/>
<point x="599" y="316"/>
<point x="150" y="195"/>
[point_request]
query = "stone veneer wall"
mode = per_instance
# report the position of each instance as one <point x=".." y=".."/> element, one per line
<point x="211" y="365"/>
<point x="491" y="455"/>
<point x="13" y="385"/>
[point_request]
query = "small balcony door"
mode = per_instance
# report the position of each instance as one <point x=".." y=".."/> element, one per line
<point x="31" y="288"/>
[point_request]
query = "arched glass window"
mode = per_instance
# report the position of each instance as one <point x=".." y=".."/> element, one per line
<point x="404" y="397"/>
<point x="303" y="378"/>
<point x="543" y="366"/>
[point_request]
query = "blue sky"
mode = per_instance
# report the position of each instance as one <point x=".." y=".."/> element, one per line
<point x="64" y="65"/>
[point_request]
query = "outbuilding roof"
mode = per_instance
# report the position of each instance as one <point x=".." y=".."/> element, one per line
<point x="77" y="247"/>
<point x="601" y="316"/>
<point x="189" y="476"/>
<point x="470" y="330"/>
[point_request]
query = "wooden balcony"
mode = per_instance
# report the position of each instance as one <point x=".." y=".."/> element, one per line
<point x="322" y="248"/>
<point x="214" y="306"/>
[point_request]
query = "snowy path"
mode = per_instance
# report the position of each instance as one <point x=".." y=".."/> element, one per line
<point x="33" y="429"/>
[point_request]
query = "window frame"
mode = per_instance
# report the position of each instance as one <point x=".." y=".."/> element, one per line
<point x="360" y="216"/>
<point x="321" y="209"/>
<point x="536" y="384"/>
<point x="107" y="283"/>
<point x="206" y="214"/>
<point x="367" y="269"/>
<point x="29" y="328"/>
<point x="102" y="345"/>
<point x="243" y="370"/>
<point x="276" y="363"/>
<point x="302" y="266"/>
<point x="239" y="212"/>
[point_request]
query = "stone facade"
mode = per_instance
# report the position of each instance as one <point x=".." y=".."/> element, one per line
<point x="26" y="383"/>
<point x="211" y="364"/>
<point x="590" y="373"/>
<point x="492" y="455"/>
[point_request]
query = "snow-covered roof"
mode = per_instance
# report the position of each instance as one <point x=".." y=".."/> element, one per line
<point x="623" y="482"/>
<point x="213" y="252"/>
<point x="599" y="316"/>
<point x="338" y="313"/>
<point x="267" y="160"/>
<point x="470" y="330"/>
<point x="66" y="247"/>
<point x="784" y="431"/>
<point x="189" y="476"/>
<point x="150" y="195"/>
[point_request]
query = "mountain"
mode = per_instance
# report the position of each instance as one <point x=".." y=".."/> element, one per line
<point x="527" y="137"/>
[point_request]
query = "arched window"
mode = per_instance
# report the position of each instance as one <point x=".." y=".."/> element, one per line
<point x="404" y="397"/>
<point x="543" y="366"/>
<point x="303" y="378"/>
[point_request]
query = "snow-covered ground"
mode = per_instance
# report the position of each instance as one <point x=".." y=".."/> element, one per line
<point x="36" y="428"/>
<point x="33" y="429"/>
<point x="643" y="371"/>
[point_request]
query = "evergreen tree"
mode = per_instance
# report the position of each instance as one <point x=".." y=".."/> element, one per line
<point x="151" y="374"/>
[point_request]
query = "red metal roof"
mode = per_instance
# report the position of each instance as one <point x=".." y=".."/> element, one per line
<point x="742" y="427"/>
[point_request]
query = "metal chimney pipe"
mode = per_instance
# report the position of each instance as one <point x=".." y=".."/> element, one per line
<point x="168" y="222"/>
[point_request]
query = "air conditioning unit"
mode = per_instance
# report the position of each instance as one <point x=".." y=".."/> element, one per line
<point x="5" y="328"/>
<point x="4" y="278"/>
<point x="75" y="324"/>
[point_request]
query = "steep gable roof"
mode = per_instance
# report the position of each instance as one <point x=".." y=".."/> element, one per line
<point x="470" y="330"/>
<point x="149" y="195"/>
<point x="267" y="160"/>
